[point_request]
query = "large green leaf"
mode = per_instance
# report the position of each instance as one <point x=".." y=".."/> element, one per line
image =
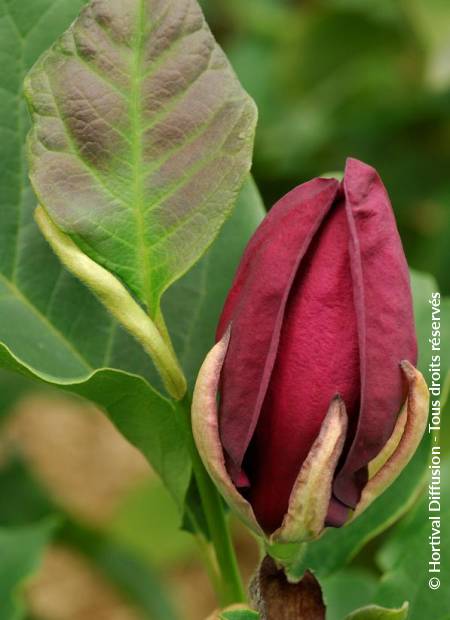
<point x="142" y="138"/>
<point x="21" y="549"/>
<point x="347" y="590"/>
<point x="47" y="317"/>
<point x="53" y="328"/>
<point x="143" y="416"/>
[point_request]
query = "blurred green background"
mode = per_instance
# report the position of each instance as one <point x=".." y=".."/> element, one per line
<point x="362" y="78"/>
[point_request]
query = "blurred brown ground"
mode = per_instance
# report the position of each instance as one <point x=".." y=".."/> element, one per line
<point x="89" y="468"/>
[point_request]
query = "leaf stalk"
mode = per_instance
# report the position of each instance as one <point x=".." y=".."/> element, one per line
<point x="232" y="589"/>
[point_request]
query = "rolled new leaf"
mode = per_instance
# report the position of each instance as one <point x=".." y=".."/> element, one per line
<point x="118" y="301"/>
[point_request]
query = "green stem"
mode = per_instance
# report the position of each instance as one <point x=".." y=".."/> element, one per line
<point x="208" y="556"/>
<point x="290" y="557"/>
<point x="232" y="590"/>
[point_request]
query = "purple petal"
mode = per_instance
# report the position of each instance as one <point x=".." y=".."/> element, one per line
<point x="383" y="303"/>
<point x="256" y="306"/>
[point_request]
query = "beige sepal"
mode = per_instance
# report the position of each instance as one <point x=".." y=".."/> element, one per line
<point x="399" y="449"/>
<point x="310" y="496"/>
<point x="205" y="428"/>
<point x="391" y="445"/>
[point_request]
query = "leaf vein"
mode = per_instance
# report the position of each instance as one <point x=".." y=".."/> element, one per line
<point x="77" y="154"/>
<point x="52" y="328"/>
<point x="166" y="110"/>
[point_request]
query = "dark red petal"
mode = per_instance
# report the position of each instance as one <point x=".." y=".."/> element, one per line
<point x="256" y="305"/>
<point x="338" y="513"/>
<point x="385" y="320"/>
<point x="317" y="359"/>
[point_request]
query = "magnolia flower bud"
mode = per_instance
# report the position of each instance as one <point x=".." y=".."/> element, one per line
<point x="320" y="404"/>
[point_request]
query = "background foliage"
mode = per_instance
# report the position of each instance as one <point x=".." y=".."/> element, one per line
<point x="370" y="79"/>
<point x="331" y="78"/>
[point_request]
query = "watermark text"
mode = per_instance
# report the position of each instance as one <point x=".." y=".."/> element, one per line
<point x="434" y="427"/>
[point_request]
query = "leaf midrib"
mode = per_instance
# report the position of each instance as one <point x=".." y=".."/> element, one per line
<point x="137" y="157"/>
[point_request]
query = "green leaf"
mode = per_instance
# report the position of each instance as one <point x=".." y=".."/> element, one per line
<point x="373" y="612"/>
<point x="21" y="550"/>
<point x="194" y="519"/>
<point x="239" y="614"/>
<point x="423" y="285"/>
<point x="394" y="547"/>
<point x="142" y="138"/>
<point x="47" y="318"/>
<point x="53" y="328"/>
<point x="140" y="413"/>
<point x="346" y="590"/>
<point x="24" y="500"/>
<point x="405" y="555"/>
